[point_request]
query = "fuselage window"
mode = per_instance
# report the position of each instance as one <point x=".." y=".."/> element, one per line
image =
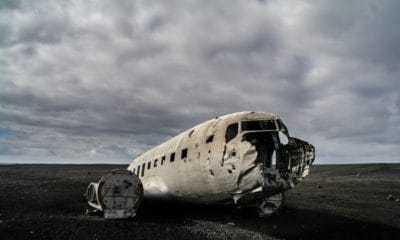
<point x="148" y="165"/>
<point x="210" y="139"/>
<point x="172" y="157"/>
<point x="184" y="153"/>
<point x="138" y="171"/>
<point x="231" y="132"/>
<point x="143" y="167"/>
<point x="155" y="162"/>
<point x="162" y="160"/>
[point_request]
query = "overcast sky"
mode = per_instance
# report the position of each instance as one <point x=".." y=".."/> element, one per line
<point x="102" y="81"/>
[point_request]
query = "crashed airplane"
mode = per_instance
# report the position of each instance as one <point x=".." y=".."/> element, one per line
<point x="244" y="158"/>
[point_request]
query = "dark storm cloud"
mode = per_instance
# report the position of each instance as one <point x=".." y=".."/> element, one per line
<point x="9" y="4"/>
<point x="104" y="81"/>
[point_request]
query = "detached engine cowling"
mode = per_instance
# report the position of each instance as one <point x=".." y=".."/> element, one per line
<point x="117" y="194"/>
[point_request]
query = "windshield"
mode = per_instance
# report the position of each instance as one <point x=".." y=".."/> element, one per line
<point x="259" y="125"/>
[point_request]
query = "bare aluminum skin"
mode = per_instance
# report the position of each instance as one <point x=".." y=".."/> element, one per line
<point x="238" y="158"/>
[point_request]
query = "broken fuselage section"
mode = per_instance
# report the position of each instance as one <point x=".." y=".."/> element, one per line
<point x="245" y="158"/>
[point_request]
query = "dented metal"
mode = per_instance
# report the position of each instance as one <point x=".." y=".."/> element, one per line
<point x="117" y="194"/>
<point x="238" y="158"/>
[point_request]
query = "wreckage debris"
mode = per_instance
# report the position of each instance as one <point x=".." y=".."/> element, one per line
<point x="117" y="195"/>
<point x="390" y="197"/>
<point x="93" y="212"/>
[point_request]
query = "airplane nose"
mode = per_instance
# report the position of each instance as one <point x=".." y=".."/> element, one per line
<point x="293" y="162"/>
<point x="296" y="157"/>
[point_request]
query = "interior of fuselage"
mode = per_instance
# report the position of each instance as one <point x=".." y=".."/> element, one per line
<point x="267" y="136"/>
<point x="265" y="146"/>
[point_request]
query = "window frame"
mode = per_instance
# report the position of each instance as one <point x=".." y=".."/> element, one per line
<point x="184" y="152"/>
<point x="229" y="138"/>
<point x="155" y="162"/>
<point x="143" y="169"/>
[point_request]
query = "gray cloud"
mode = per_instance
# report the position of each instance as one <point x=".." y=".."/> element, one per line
<point x="103" y="82"/>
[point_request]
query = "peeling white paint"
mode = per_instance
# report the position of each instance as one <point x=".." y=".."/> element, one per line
<point x="214" y="171"/>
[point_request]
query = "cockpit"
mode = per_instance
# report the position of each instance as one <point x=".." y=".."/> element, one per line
<point x="264" y="135"/>
<point x="281" y="156"/>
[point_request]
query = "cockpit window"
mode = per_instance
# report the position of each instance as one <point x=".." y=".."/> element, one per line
<point x="283" y="138"/>
<point x="258" y="125"/>
<point x="231" y="132"/>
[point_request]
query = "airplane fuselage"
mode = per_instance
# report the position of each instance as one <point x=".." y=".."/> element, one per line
<point x="234" y="158"/>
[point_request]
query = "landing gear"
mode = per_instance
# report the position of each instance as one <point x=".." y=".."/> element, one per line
<point x="270" y="205"/>
<point x="117" y="194"/>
